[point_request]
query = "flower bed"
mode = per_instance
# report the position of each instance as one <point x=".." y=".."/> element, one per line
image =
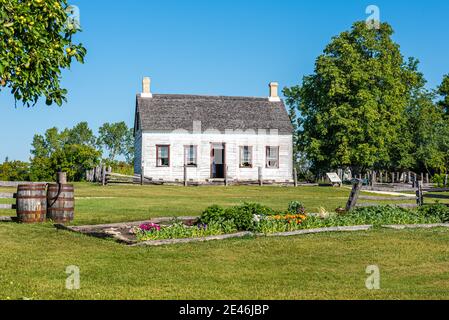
<point x="258" y="219"/>
<point x="252" y="220"/>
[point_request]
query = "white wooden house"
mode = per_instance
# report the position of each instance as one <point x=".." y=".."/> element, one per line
<point x="214" y="137"/>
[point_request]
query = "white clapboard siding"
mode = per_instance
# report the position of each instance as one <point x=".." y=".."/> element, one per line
<point x="146" y="154"/>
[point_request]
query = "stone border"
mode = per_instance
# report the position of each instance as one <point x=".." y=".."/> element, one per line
<point x="416" y="226"/>
<point x="314" y="231"/>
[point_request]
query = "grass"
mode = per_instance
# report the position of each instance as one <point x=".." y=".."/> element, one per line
<point x="33" y="258"/>
<point x="413" y="265"/>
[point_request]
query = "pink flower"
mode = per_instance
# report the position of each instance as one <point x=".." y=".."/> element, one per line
<point x="150" y="227"/>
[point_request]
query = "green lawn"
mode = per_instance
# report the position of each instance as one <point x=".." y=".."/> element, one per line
<point x="33" y="258"/>
<point x="413" y="265"/>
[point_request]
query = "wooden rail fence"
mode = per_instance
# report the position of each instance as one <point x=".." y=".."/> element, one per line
<point x="421" y="194"/>
<point x="105" y="176"/>
<point x="4" y="195"/>
<point x="429" y="193"/>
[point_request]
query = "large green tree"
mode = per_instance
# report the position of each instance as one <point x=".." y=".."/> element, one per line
<point x="429" y="130"/>
<point x="35" y="46"/>
<point x="443" y="91"/>
<point x="117" y="139"/>
<point x="352" y="106"/>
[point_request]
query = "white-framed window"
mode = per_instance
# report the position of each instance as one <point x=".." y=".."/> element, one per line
<point x="272" y="157"/>
<point x="163" y="155"/>
<point x="246" y="157"/>
<point x="191" y="156"/>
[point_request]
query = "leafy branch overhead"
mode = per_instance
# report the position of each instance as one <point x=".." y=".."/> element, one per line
<point x="35" y="46"/>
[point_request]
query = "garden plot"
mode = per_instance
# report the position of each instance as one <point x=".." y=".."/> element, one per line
<point x="255" y="220"/>
<point x="126" y="232"/>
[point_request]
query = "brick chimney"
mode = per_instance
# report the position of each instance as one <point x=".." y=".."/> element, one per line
<point x="146" y="88"/>
<point x="274" y="92"/>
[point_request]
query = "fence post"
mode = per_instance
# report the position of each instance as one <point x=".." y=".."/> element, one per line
<point x="103" y="175"/>
<point x="142" y="175"/>
<point x="260" y="177"/>
<point x="185" y="176"/>
<point x="427" y="178"/>
<point x="373" y="178"/>
<point x="295" y="176"/>
<point x="226" y="176"/>
<point x="419" y="194"/>
<point x="354" y="196"/>
<point x="62" y="178"/>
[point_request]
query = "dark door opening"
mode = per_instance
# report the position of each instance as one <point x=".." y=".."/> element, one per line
<point x="218" y="161"/>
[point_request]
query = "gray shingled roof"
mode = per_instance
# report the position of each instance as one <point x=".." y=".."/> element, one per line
<point x="172" y="112"/>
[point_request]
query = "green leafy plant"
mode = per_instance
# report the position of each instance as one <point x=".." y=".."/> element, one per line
<point x="382" y="215"/>
<point x="439" y="179"/>
<point x="213" y="214"/>
<point x="438" y="211"/>
<point x="296" y="207"/>
<point x="243" y="217"/>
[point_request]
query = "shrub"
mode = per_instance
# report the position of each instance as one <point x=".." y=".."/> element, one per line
<point x="438" y="211"/>
<point x="14" y="171"/>
<point x="242" y="217"/>
<point x="213" y="214"/>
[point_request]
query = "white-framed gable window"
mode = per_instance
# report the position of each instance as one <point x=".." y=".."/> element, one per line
<point x="246" y="157"/>
<point x="191" y="156"/>
<point x="272" y="157"/>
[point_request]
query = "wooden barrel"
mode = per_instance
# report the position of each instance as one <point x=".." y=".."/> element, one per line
<point x="60" y="203"/>
<point x="31" y="203"/>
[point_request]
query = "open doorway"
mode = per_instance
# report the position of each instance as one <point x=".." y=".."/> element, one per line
<point x="218" y="160"/>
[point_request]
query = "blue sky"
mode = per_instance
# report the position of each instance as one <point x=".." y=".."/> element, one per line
<point x="232" y="47"/>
